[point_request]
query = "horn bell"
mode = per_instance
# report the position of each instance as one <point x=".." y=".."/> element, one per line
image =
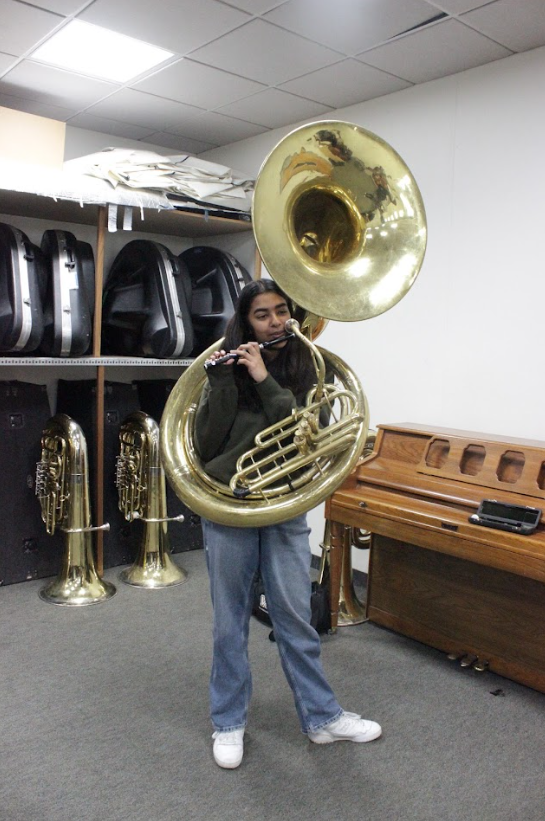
<point x="339" y="221"/>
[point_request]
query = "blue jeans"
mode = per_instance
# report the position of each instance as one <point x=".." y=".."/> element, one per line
<point x="281" y="553"/>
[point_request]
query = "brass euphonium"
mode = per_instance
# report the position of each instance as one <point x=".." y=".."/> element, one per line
<point x="62" y="487"/>
<point x="340" y="225"/>
<point x="141" y="487"/>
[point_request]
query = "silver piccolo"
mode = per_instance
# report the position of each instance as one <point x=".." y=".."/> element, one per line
<point x="235" y="356"/>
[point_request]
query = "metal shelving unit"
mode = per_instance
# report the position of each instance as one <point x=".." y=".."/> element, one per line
<point x="93" y="361"/>
<point x="167" y="222"/>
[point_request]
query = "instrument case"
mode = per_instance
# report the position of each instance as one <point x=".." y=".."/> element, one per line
<point x="69" y="300"/>
<point x="146" y="303"/>
<point x="78" y="400"/>
<point x="217" y="279"/>
<point x="22" y="289"/>
<point x="26" y="550"/>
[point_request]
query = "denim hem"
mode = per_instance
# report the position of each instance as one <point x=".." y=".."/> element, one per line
<point x="229" y="729"/>
<point x="324" y="723"/>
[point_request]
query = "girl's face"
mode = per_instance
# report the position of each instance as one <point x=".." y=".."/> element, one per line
<point x="268" y="315"/>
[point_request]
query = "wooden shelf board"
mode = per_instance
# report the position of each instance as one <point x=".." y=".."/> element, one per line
<point x="171" y="223"/>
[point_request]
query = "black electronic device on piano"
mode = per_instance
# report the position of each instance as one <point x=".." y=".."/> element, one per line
<point x="504" y="516"/>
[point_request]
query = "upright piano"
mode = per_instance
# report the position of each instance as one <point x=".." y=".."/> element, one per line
<point x="475" y="592"/>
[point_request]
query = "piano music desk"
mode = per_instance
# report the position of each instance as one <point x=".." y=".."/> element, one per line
<point x="434" y="576"/>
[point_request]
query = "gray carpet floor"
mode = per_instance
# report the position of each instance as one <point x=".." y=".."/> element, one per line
<point x="104" y="715"/>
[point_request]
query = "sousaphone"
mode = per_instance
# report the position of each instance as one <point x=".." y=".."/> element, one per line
<point x="340" y="225"/>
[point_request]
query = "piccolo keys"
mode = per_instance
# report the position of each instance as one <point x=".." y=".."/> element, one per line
<point x="235" y="356"/>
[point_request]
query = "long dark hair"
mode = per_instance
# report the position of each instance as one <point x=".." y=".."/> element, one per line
<point x="292" y="368"/>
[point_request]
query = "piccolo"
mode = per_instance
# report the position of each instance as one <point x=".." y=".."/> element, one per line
<point x="235" y="356"/>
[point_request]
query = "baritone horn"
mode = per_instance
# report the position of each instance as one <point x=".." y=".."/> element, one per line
<point x="141" y="487"/>
<point x="340" y="226"/>
<point x="62" y="487"/>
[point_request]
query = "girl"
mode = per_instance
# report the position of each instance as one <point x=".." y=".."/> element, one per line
<point x="241" y="398"/>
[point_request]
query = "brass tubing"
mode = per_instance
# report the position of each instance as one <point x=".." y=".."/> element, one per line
<point x="337" y="534"/>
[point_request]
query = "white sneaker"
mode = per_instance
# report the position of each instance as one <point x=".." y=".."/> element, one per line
<point x="228" y="748"/>
<point x="349" y="727"/>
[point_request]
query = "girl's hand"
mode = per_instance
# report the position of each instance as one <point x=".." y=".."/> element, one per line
<point x="218" y="355"/>
<point x="250" y="356"/>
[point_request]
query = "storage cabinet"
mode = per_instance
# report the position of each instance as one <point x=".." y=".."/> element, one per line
<point x="178" y="229"/>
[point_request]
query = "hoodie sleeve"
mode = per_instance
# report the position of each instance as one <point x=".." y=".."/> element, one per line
<point x="217" y="411"/>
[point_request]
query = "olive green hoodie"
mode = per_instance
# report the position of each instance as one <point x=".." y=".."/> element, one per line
<point x="223" y="431"/>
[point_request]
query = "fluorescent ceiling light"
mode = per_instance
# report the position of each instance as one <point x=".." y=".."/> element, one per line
<point x="99" y="52"/>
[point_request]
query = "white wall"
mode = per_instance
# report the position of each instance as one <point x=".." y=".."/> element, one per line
<point x="464" y="349"/>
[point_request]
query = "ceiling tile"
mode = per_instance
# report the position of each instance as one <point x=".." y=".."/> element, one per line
<point x="196" y="84"/>
<point x="6" y="60"/>
<point x="437" y="51"/>
<point x="64" y="7"/>
<point x="179" y="143"/>
<point x="345" y="83"/>
<point x="217" y="128"/>
<point x="54" y="86"/>
<point x="359" y="23"/>
<point x="241" y="67"/>
<point x="23" y="25"/>
<point x="256" y="6"/>
<point x="35" y="107"/>
<point x="515" y="26"/>
<point x="112" y="127"/>
<point x="273" y="108"/>
<point x="266" y="53"/>
<point x="181" y="25"/>
<point x="460" y="6"/>
<point x="137" y="108"/>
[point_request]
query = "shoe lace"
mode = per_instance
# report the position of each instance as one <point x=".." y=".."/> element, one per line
<point x="230" y="737"/>
<point x="347" y="720"/>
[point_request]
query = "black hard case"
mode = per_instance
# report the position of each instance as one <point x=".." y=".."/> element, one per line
<point x="69" y="301"/>
<point x="22" y="289"/>
<point x="217" y="279"/>
<point x="26" y="549"/>
<point x="146" y="304"/>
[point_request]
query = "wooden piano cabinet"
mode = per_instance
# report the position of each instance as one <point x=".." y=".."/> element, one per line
<point x="434" y="575"/>
<point x="459" y="607"/>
